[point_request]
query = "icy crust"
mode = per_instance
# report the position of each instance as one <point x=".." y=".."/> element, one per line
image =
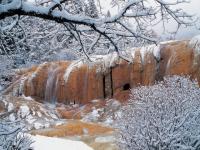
<point x="195" y="44"/>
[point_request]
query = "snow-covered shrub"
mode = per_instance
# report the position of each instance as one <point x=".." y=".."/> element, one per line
<point x="12" y="136"/>
<point x="165" y="116"/>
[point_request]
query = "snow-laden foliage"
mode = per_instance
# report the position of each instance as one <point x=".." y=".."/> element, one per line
<point x="11" y="135"/>
<point x="81" y="26"/>
<point x="165" y="116"/>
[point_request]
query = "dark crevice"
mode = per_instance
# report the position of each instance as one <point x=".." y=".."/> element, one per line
<point x="111" y="82"/>
<point x="126" y="87"/>
<point x="104" y="86"/>
<point x="108" y="85"/>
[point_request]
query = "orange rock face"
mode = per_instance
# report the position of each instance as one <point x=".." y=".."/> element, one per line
<point x="66" y="82"/>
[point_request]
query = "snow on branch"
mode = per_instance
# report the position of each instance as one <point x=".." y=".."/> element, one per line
<point x="82" y="21"/>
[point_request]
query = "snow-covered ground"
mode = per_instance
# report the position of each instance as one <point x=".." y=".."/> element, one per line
<point x="52" y="143"/>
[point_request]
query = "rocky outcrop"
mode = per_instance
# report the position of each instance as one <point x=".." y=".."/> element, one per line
<point x="109" y="76"/>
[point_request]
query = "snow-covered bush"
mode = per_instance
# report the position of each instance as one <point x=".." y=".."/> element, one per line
<point x="165" y="116"/>
<point x="11" y="135"/>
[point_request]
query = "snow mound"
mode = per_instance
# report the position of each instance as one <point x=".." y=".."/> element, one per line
<point x="50" y="143"/>
<point x="195" y="43"/>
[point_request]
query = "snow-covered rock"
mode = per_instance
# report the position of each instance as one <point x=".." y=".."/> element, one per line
<point x="23" y="111"/>
<point x="35" y="115"/>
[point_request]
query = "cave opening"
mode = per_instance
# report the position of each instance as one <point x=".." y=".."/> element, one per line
<point x="126" y="87"/>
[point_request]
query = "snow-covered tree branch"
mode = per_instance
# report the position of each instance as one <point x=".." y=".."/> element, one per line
<point x="162" y="117"/>
<point x="81" y="21"/>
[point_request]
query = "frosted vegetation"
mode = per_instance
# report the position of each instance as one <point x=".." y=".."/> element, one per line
<point x="11" y="134"/>
<point x="45" y="30"/>
<point x="35" y="31"/>
<point x="165" y="116"/>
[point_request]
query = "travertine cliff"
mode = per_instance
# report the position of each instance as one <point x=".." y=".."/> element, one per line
<point x="109" y="76"/>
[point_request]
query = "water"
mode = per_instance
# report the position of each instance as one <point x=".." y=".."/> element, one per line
<point x="52" y="85"/>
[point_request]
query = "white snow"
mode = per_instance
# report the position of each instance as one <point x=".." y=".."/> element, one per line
<point x="110" y="60"/>
<point x="52" y="143"/>
<point x="92" y="116"/>
<point x="38" y="125"/>
<point x="59" y="123"/>
<point x="30" y="119"/>
<point x="168" y="42"/>
<point x="12" y="5"/>
<point x="39" y="114"/>
<point x="109" y="121"/>
<point x="1" y="88"/>
<point x="105" y="139"/>
<point x="53" y="116"/>
<point x="24" y="111"/>
<point x="155" y="49"/>
<point x="10" y="107"/>
<point x="195" y="43"/>
<point x="21" y="85"/>
<point x="12" y="117"/>
<point x="70" y="68"/>
<point x="27" y="97"/>
<point x="107" y="60"/>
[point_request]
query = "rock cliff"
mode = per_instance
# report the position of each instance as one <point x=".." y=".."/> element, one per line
<point x="108" y="76"/>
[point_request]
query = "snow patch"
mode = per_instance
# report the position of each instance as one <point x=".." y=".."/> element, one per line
<point x="109" y="121"/>
<point x="12" y="117"/>
<point x="92" y="116"/>
<point x="29" y="98"/>
<point x="105" y="61"/>
<point x="39" y="114"/>
<point x="169" y="42"/>
<point x="154" y="49"/>
<point x="52" y="143"/>
<point x="21" y="84"/>
<point x="10" y="107"/>
<point x="106" y="139"/>
<point x="71" y="67"/>
<point x="24" y="111"/>
<point x="38" y="125"/>
<point x="1" y="87"/>
<point x="30" y="119"/>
